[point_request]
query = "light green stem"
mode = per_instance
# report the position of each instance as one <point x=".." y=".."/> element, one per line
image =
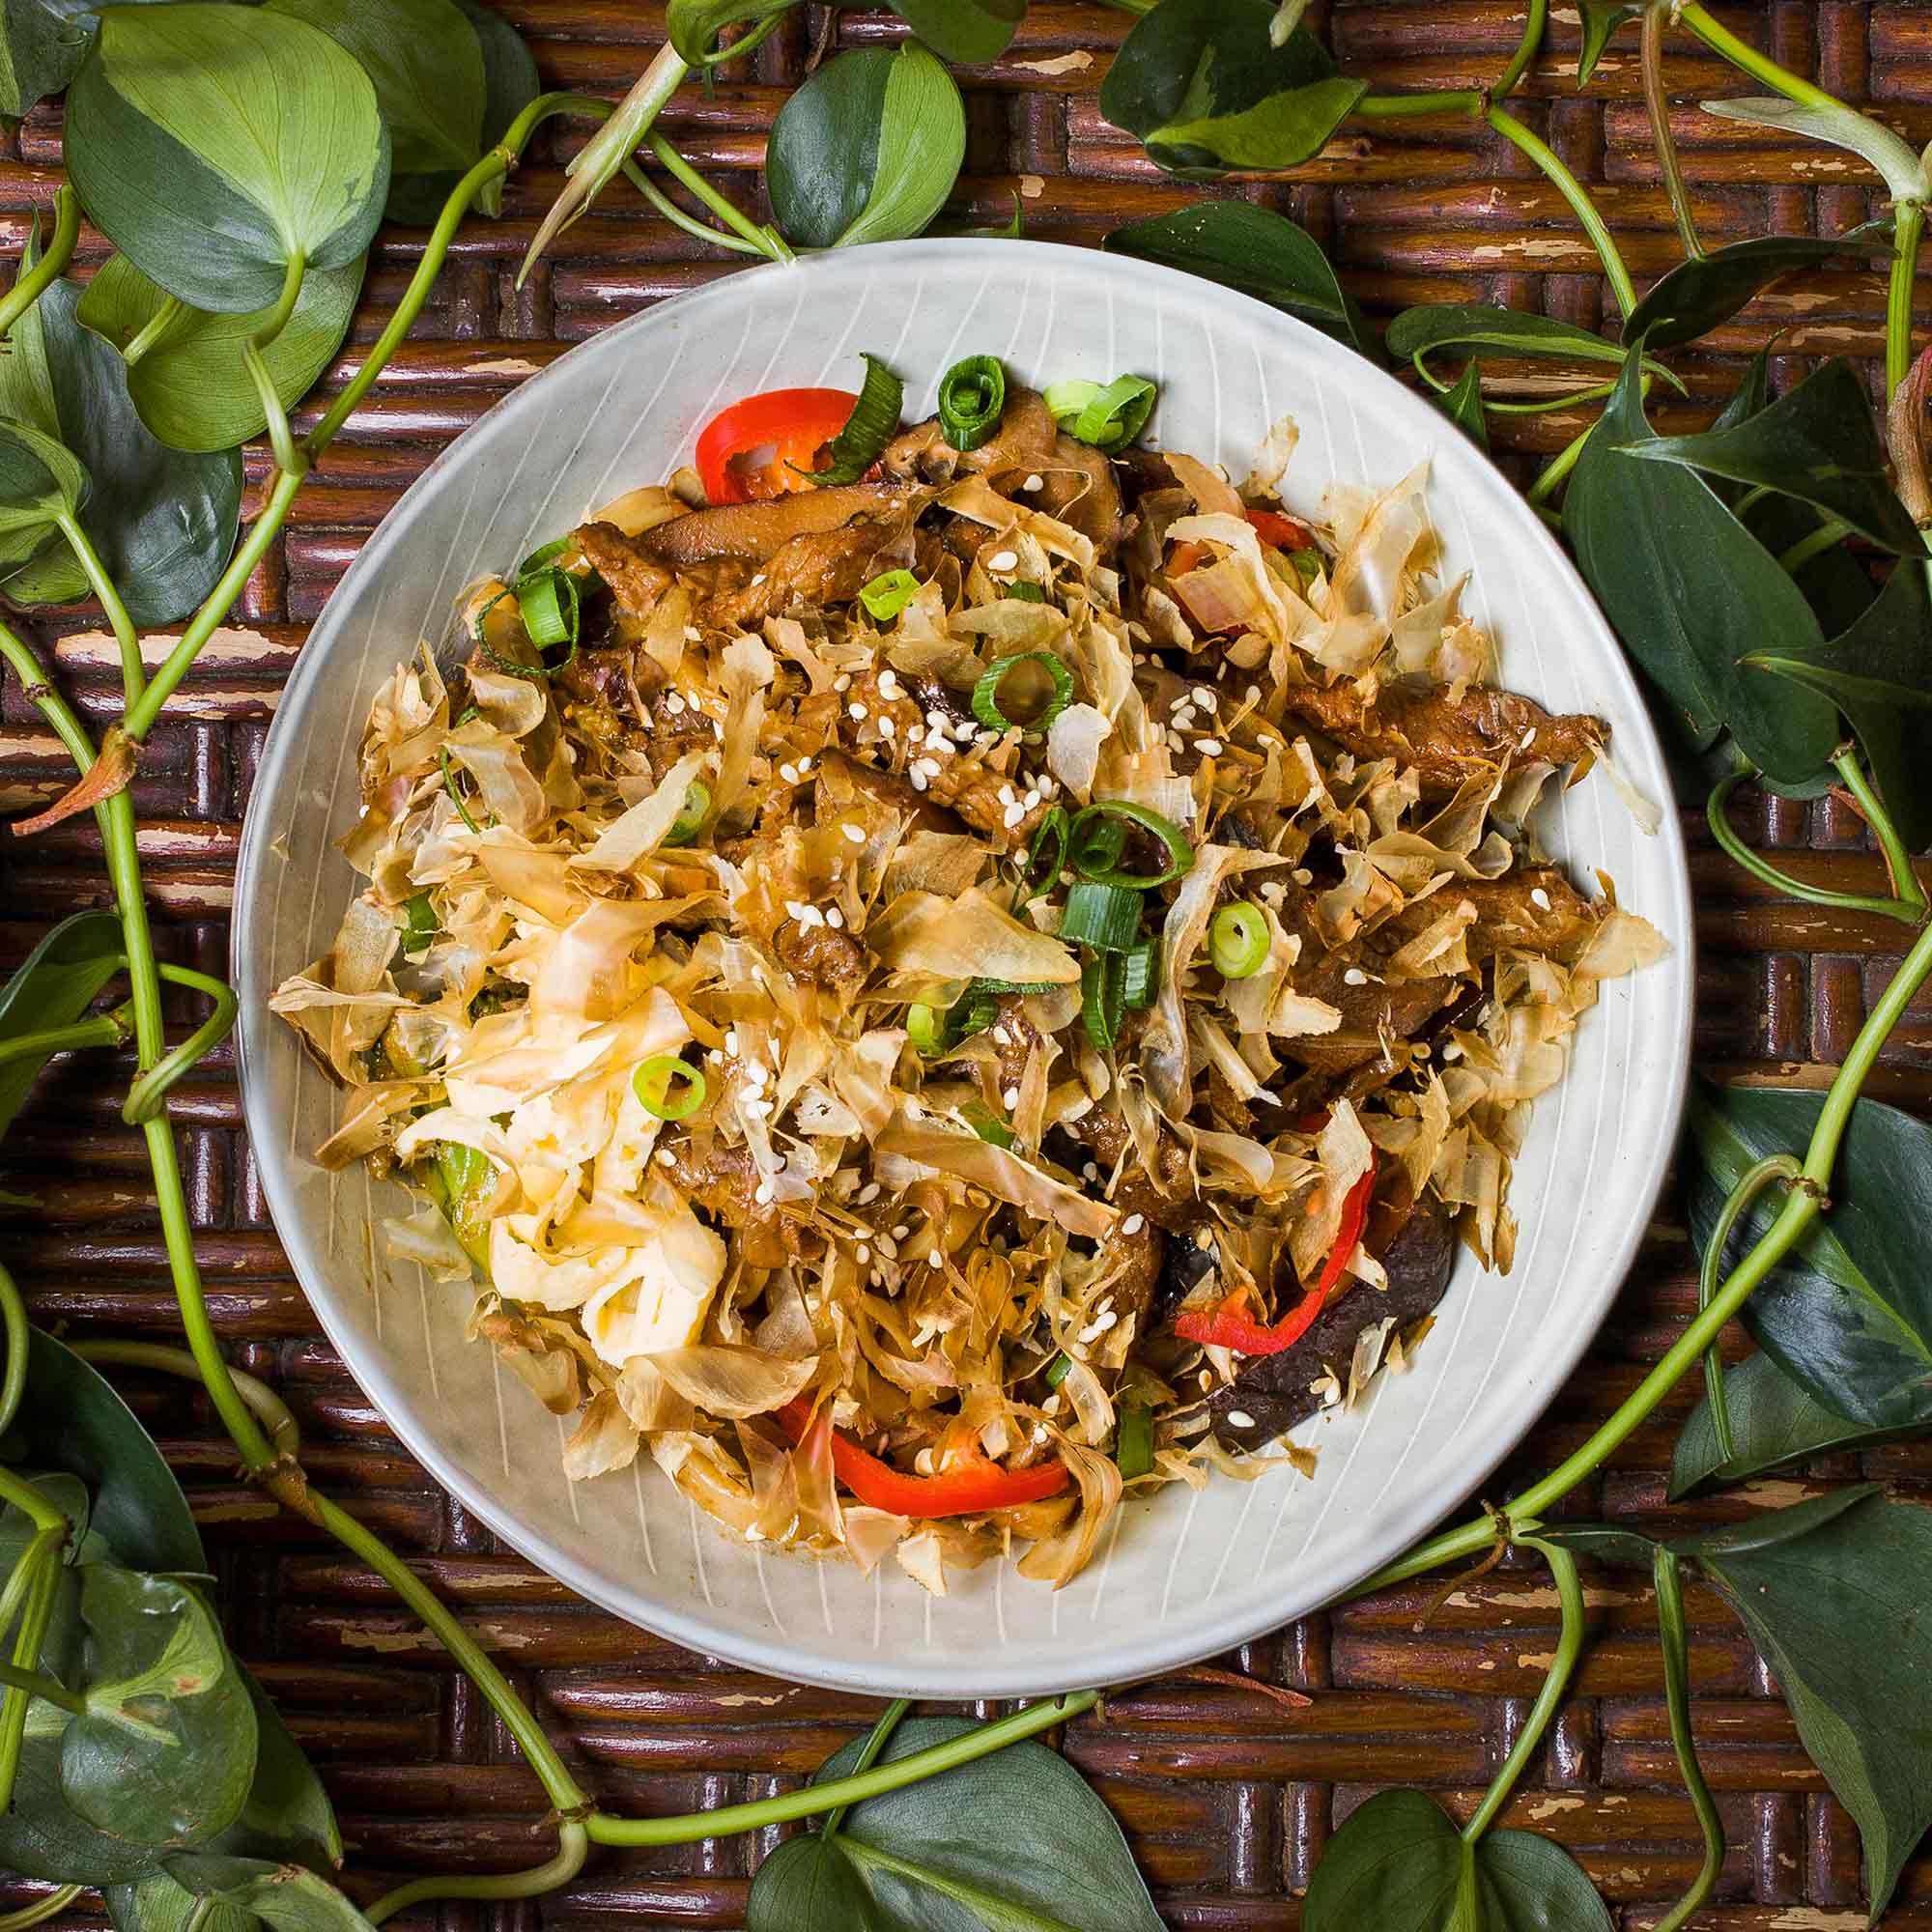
<point x="289" y="460"/>
<point x="701" y="231"/>
<point x="1534" y="25"/>
<point x="1677" y="1694"/>
<point x="109" y="1029"/>
<point x="868" y="1754"/>
<point x="1904" y="287"/>
<point x="1774" y="1167"/>
<point x="284" y="1433"/>
<point x="573" y="1848"/>
<point x="1716" y="811"/>
<point x="149" y="1094"/>
<point x="766" y="241"/>
<point x="1897" y="859"/>
<point x="43" y="1547"/>
<point x="153" y="330"/>
<point x="1465" y="101"/>
<point x="51" y="1906"/>
<point x="1577" y="196"/>
<point x="13" y="1333"/>
<point x="1827" y="537"/>
<point x="1554" y="478"/>
<point x="34" y="1683"/>
<point x="1760" y="66"/>
<point x="52" y="266"/>
<point x="1657" y="99"/>
<point x="27" y="1642"/>
<point x="125" y="635"/>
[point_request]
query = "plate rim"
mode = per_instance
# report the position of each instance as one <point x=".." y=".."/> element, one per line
<point x="784" y="1657"/>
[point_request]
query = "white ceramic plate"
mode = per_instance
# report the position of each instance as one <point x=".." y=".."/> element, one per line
<point x="1186" y="1575"/>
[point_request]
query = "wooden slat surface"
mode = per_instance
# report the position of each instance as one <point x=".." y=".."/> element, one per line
<point x="1227" y="1798"/>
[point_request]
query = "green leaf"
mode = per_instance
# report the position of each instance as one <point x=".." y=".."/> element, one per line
<point x="53" y="986"/>
<point x="1902" y="169"/>
<point x="1600" y="20"/>
<point x="1879" y="674"/>
<point x="1398" y="1864"/>
<point x="41" y="43"/>
<point x="1256" y="250"/>
<point x="42" y="482"/>
<point x="1016" y="1843"/>
<point x="966" y="32"/>
<point x="1753" y="393"/>
<point x="809" y="1884"/>
<point x="285" y="1896"/>
<point x="214" y="144"/>
<point x="1817" y="443"/>
<point x="68" y="1494"/>
<point x="161" y="1904"/>
<point x="1848" y="1313"/>
<point x="1772" y="1422"/>
<point x="1617" y="1548"/>
<point x="164" y="1754"/>
<point x="1691" y="594"/>
<point x="191" y="386"/>
<point x="1206" y="90"/>
<point x="1836" y="1595"/>
<point x="1464" y="406"/>
<point x="1475" y="327"/>
<point x="1698" y="295"/>
<point x="693" y="26"/>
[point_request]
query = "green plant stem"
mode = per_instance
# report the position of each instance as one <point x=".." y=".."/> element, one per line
<point x="868" y="1754"/>
<point x="1539" y="151"/>
<point x="1466" y="101"/>
<point x="1897" y="859"/>
<point x="843" y="1791"/>
<point x="1657" y="99"/>
<point x="767" y="240"/>
<point x="34" y="1683"/>
<point x="51" y="1906"/>
<point x="703" y="231"/>
<point x="41" y="691"/>
<point x="26" y="1497"/>
<point x="153" y="330"/>
<point x="1536" y="21"/>
<point x="573" y="1848"/>
<point x="289" y="460"/>
<point x="147" y="1096"/>
<point x="125" y="635"/>
<point x="1760" y="66"/>
<point x="1760" y="868"/>
<point x="1774" y="1167"/>
<point x="1827" y="537"/>
<point x="43" y="1546"/>
<point x="1549" y="1699"/>
<point x="1470" y="1539"/>
<point x="270" y="1411"/>
<point x="27" y="1642"/>
<point x="1664" y="1569"/>
<point x="52" y="266"/>
<point x="109" y="1029"/>
<point x="13" y="1331"/>
<point x="1904" y="287"/>
<point x="1561" y="465"/>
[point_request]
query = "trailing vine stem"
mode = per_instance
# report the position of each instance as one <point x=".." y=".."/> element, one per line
<point x="1669" y="1591"/>
<point x="50" y="1906"/>
<point x="1656" y="100"/>
<point x="1897" y="859"/>
<point x="52" y="266"/>
<point x="1904" y="287"/>
<point x="1539" y="151"/>
<point x="1773" y="1167"/>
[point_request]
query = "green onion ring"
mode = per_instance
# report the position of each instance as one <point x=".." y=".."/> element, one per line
<point x="1094" y="859"/>
<point x="1036" y="875"/>
<point x="1058" y="1370"/>
<point x="1103" y="999"/>
<point x="1025" y="592"/>
<point x="888" y="594"/>
<point x="547" y="601"/>
<point x="925" y="1026"/>
<point x="986" y="693"/>
<point x="419" y="925"/>
<point x="872" y="424"/>
<point x="971" y="398"/>
<point x="1140" y="975"/>
<point x="653" y="1083"/>
<point x="1109" y="418"/>
<point x="1239" y="939"/>
<point x="544" y="553"/>
<point x="691" y="814"/>
<point x="1104" y="917"/>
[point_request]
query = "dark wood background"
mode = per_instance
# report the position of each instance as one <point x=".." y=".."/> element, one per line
<point x="1227" y="1797"/>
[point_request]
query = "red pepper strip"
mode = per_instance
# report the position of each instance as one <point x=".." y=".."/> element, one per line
<point x="973" y="1487"/>
<point x="1284" y="533"/>
<point x="1355" y="1219"/>
<point x="783" y="429"/>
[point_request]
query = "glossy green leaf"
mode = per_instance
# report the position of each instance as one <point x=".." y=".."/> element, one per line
<point x="285" y="1896"/>
<point x="1773" y="1422"/>
<point x="1699" y="296"/>
<point x="867" y="150"/>
<point x="53" y="986"/>
<point x="1476" y="328"/>
<point x="1691" y="594"/>
<point x="1615" y="1549"/>
<point x="1752" y="394"/>
<point x="1837" y="1595"/>
<point x="1818" y="443"/>
<point x="1848" y="1313"/>
<point x="1016" y="1843"/>
<point x="1834" y="583"/>
<point x="1600" y="20"/>
<point x="1256" y="250"/>
<point x="1900" y="165"/>
<point x="161" y="1904"/>
<point x="1399" y="1864"/>
<point x="68" y="1494"/>
<point x="1206" y="88"/>
<point x="41" y="43"/>
<point x="1879" y="674"/>
<point x="40" y="482"/>
<point x="1464" y="406"/>
<point x="214" y="144"/>
<point x="191" y="386"/>
<point x="164" y="1754"/>
<point x="966" y="32"/>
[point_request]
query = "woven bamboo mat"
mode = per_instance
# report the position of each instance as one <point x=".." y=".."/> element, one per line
<point x="1227" y="1797"/>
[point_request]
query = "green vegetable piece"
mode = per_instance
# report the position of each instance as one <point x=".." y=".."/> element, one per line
<point x="990" y="1127"/>
<point x="419" y="925"/>
<point x="690" y="817"/>
<point x="1309" y="564"/>
<point x="669" y="1088"/>
<point x="1140" y="975"/>
<point x="1058" y="1370"/>
<point x="1238" y="941"/>
<point x="462" y="1181"/>
<point x="1096" y="843"/>
<point x="888" y="594"/>
<point x="1106" y="918"/>
<point x="872" y="424"/>
<point x="548" y="603"/>
<point x="986" y="706"/>
<point x="1134" y="1441"/>
<point x="1109" y="418"/>
<point x="1046" y="855"/>
<point x="972" y="399"/>
<point x="1023" y="592"/>
<point x="926" y="1027"/>
<point x="1103" y="995"/>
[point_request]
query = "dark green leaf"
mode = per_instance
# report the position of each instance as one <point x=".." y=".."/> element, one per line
<point x="211" y="203"/>
<point x="1600" y="20"/>
<point x="1817" y="443"/>
<point x="66" y="1494"/>
<point x="966" y="32"/>
<point x="1836" y="1596"/>
<point x="1206" y="90"/>
<point x="1772" y="1422"/>
<point x="809" y="1884"/>
<point x="1255" y="250"/>
<point x="42" y="482"/>
<point x="41" y="43"/>
<point x="1691" y="594"/>
<point x="1753" y="393"/>
<point x="1464" y="406"/>
<point x="1615" y="1549"/>
<point x="1848" y="1313"/>
<point x="1398" y="1864"/>
<point x="1834" y="583"/>
<point x="867" y="150"/>
<point x="1477" y="329"/>
<point x="191" y="386"/>
<point x="288" y="1898"/>
<point x="1879" y="674"/>
<point x="164" y="1754"/>
<point x="53" y="986"/>
<point x="1696" y="296"/>
<point x="160" y="1904"/>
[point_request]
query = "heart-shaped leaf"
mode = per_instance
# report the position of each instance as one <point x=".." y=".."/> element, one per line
<point x="1817" y="443"/>
<point x="52" y="987"/>
<point x="288" y="1898"/>
<point x="1207" y="89"/>
<point x="164" y="1754"/>
<point x="162" y="1904"/>
<point x="1879" y="674"/>
<point x="1476" y="329"/>
<point x="1848" y="1313"/>
<point x="1691" y="594"/>
<point x="966" y="32"/>
<point x="191" y="385"/>
<point x="216" y="145"/>
<point x="1016" y="1839"/>
<point x="1600" y="20"/>
<point x="41" y="483"/>
<point x="1398" y="1864"/>
<point x="867" y="150"/>
<point x="1699" y="296"/>
<point x="1256" y="250"/>
<point x="1839" y="126"/>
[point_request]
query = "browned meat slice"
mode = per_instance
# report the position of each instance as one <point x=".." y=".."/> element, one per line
<point x="1444" y="739"/>
<point x="898" y="791"/>
<point x="827" y="567"/>
<point x="756" y="532"/>
<point x="1167" y="1201"/>
<point x="832" y="960"/>
<point x="1535" y="907"/>
<point x="722" y="1182"/>
<point x="1273" y="1392"/>
<point x="637" y="580"/>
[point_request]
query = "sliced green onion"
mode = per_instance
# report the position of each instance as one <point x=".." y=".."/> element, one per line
<point x="546" y="601"/>
<point x="1103" y="1001"/>
<point x="1066" y="400"/>
<point x="455" y="796"/>
<point x="887" y="595"/>
<point x="1140" y="975"/>
<point x="668" y="1087"/>
<point x="971" y="398"/>
<point x="925" y="1026"/>
<point x="1105" y="916"/>
<point x="1058" y="1370"/>
<point x="1108" y="418"/>
<point x="1003" y="988"/>
<point x="1237" y="940"/>
<point x="545" y="553"/>
<point x="690" y="816"/>
<point x="986" y="693"/>
<point x="990" y="1127"/>
<point x="1099" y="839"/>
<point x="1309" y="564"/>
<point x="1039" y="871"/>
<point x="1024" y="592"/>
<point x="1134" y="1441"/>
<point x="872" y="424"/>
<point x="418" y="925"/>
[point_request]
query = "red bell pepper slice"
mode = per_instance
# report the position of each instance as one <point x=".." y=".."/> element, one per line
<point x="768" y="445"/>
<point x="973" y="1486"/>
<point x="1284" y="533"/>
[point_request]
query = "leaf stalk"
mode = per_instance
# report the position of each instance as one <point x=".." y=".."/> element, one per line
<point x="52" y="266"/>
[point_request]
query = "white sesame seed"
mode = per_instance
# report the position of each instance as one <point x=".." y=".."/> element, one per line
<point x="915" y="734"/>
<point x="1176" y="742"/>
<point x="795" y="909"/>
<point x="1302" y="876"/>
<point x="665" y="1158"/>
<point x="1180" y="703"/>
<point x="918" y="778"/>
<point x="759" y="578"/>
<point x="731" y="1040"/>
<point x="1452" y="1051"/>
<point x="835" y="918"/>
<point x="1091" y="1171"/>
<point x="856" y="712"/>
<point x="1239" y="1418"/>
<point x="1031" y="799"/>
<point x="674" y="704"/>
<point x="934" y="1258"/>
<point x="1051" y="1405"/>
<point x="1354" y="977"/>
<point x="843" y="682"/>
<point x="718" y="728"/>
<point x="762" y="1193"/>
<point x="1010" y="1099"/>
<point x="789" y="773"/>
<point x="1206" y="1378"/>
<point x="861" y="1252"/>
<point x="855" y="834"/>
<point x="868" y="1194"/>
<point x="1004" y="559"/>
<point x="1209" y="747"/>
<point x="1528" y="738"/>
<point x="1006" y="794"/>
<point x="811" y="917"/>
<point x="889" y="684"/>
<point x="1134" y="1223"/>
<point x="1253" y="695"/>
<point x="939" y="721"/>
<point x="1034" y="482"/>
<point x="1014" y="814"/>
<point x="805" y="768"/>
<point x="885" y="724"/>
<point x="1204" y="698"/>
<point x="1539" y="899"/>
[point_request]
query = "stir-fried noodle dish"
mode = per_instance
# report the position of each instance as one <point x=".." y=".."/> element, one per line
<point x="928" y="980"/>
